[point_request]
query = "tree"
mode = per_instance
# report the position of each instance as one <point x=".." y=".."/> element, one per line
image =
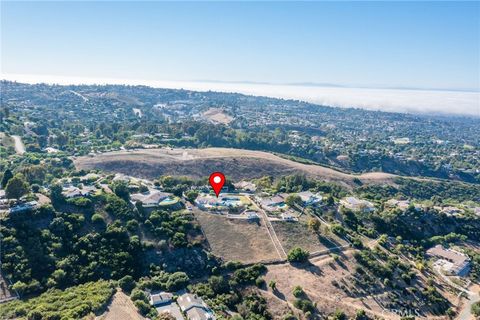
<point x="330" y="201"/>
<point x="165" y="316"/>
<point x="339" y="315"/>
<point x="218" y="284"/>
<point x="56" y="194"/>
<point x="294" y="200"/>
<point x="120" y="188"/>
<point x="361" y="315"/>
<point x="7" y="175"/>
<point x="476" y="309"/>
<point x="191" y="195"/>
<point x="17" y="187"/>
<point x="298" y="255"/>
<point x="298" y="292"/>
<point x="273" y="285"/>
<point x="126" y="283"/>
<point x="19" y="287"/>
<point x="451" y="313"/>
<point x="142" y="306"/>
<point x="313" y="224"/>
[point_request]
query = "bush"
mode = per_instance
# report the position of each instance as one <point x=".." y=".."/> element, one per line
<point x="218" y="284"/>
<point x="339" y="315"/>
<point x="132" y="225"/>
<point x="97" y="219"/>
<point x="297" y="255"/>
<point x="361" y="315"/>
<point x="16" y="187"/>
<point x="73" y="303"/>
<point x="476" y="309"/>
<point x="177" y="281"/>
<point x="138" y="294"/>
<point x="298" y="292"/>
<point x="260" y="282"/>
<point x="80" y="202"/>
<point x="304" y="305"/>
<point x="126" y="283"/>
<point x="142" y="306"/>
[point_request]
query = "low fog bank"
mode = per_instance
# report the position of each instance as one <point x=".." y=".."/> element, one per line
<point x="392" y="100"/>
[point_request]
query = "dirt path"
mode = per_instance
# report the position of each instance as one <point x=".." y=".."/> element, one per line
<point x="473" y="297"/>
<point x="271" y="232"/>
<point x="121" y="307"/>
<point x="19" y="146"/>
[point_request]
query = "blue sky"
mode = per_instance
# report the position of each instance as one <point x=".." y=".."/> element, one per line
<point x="372" y="44"/>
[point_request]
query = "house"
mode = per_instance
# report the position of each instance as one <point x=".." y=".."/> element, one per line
<point x="24" y="207"/>
<point x="194" y="307"/>
<point x="163" y="302"/>
<point x="288" y="217"/>
<point x="452" y="211"/>
<point x="400" y="204"/>
<point x="51" y="150"/>
<point x="251" y="215"/>
<point x="245" y="186"/>
<point x="451" y="261"/>
<point x="274" y="203"/>
<point x="160" y="298"/>
<point x="476" y="210"/>
<point x="208" y="202"/>
<point x="150" y="199"/>
<point x="75" y="192"/>
<point x="355" y="204"/>
<point x="310" y="198"/>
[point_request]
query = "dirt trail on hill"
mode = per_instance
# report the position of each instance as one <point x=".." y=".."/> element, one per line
<point x="198" y="163"/>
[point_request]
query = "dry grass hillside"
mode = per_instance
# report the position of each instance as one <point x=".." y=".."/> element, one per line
<point x="198" y="163"/>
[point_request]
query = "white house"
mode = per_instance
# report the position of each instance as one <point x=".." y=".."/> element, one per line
<point x="194" y="307"/>
<point x="355" y="204"/>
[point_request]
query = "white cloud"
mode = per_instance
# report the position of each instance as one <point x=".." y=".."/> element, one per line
<point x="396" y="100"/>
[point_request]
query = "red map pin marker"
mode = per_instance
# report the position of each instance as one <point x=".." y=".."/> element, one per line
<point x="217" y="180"/>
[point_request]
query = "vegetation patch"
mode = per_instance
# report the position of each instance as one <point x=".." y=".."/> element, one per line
<point x="72" y="303"/>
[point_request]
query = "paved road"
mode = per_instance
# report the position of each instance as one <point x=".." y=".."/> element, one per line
<point x="19" y="146"/>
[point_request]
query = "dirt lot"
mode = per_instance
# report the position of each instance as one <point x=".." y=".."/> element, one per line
<point x="217" y="115"/>
<point x="121" y="307"/>
<point x="316" y="281"/>
<point x="235" y="239"/>
<point x="198" y="163"/>
<point x="296" y="234"/>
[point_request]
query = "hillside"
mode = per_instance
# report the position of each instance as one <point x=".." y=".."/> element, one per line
<point x="198" y="163"/>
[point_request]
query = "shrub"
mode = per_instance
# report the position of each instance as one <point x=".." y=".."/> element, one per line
<point x="298" y="292"/>
<point x="304" y="305"/>
<point x="476" y="309"/>
<point x="297" y="255"/>
<point x="260" y="282"/>
<point x="126" y="283"/>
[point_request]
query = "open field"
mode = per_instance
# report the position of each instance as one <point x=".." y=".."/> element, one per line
<point x="235" y="239"/>
<point x="323" y="280"/>
<point x="217" y="115"/>
<point x="121" y="307"/>
<point x="198" y="163"/>
<point x="316" y="281"/>
<point x="296" y="234"/>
